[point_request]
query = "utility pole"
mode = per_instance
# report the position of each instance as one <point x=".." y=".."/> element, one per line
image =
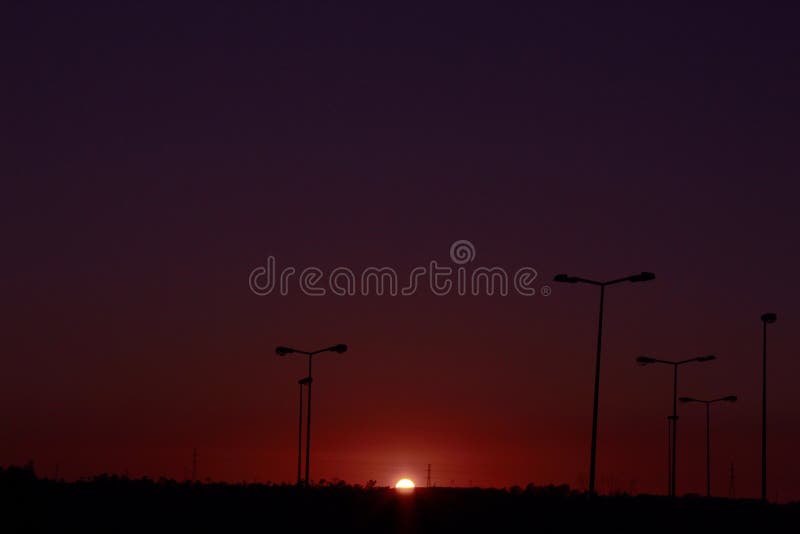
<point x="194" y="465"/>
<point x="428" y="481"/>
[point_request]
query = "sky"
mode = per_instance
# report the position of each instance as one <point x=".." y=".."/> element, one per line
<point x="153" y="156"/>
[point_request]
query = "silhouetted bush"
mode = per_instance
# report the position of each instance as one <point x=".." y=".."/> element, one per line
<point x="110" y="503"/>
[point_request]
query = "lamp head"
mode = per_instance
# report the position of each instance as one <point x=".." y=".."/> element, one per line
<point x="687" y="399"/>
<point x="644" y="276"/>
<point x="566" y="279"/>
<point x="304" y="381"/>
<point x="340" y="348"/>
<point x="730" y="398"/>
<point x="706" y="358"/>
<point x="769" y="318"/>
<point x="645" y="360"/>
<point x="283" y="351"/>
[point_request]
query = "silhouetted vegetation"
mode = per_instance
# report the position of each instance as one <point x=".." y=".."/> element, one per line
<point x="110" y="503"/>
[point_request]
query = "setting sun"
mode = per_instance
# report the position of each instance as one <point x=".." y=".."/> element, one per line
<point x="404" y="484"/>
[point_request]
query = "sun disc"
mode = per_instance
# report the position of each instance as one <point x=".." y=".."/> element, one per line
<point x="404" y="484"/>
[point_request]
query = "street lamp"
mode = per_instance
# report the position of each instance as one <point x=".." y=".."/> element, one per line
<point x="285" y="351"/>
<point x="566" y="279"/>
<point x="767" y="318"/>
<point x="645" y="360"/>
<point x="708" y="403"/>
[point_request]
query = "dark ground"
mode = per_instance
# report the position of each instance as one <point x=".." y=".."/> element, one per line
<point x="114" y="504"/>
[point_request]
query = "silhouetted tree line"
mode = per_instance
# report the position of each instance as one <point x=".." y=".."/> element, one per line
<point x="113" y="503"/>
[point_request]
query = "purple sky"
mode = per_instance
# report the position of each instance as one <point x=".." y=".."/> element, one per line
<point x="152" y="156"/>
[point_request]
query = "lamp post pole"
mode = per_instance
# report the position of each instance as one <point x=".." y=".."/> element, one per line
<point x="708" y="449"/>
<point x="300" y="438"/>
<point x="595" y="404"/>
<point x="767" y="318"/>
<point x="308" y="423"/>
<point x="302" y="382"/>
<point x="645" y="360"/>
<point x="708" y="403"/>
<point x="641" y="277"/>
<point x="284" y="351"/>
